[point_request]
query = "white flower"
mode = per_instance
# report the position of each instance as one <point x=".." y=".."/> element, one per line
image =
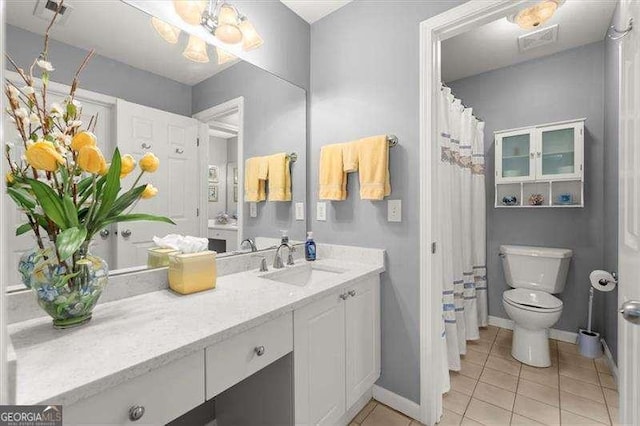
<point x="25" y="121"/>
<point x="13" y="92"/>
<point x="56" y="109"/>
<point x="10" y="145"/>
<point x="45" y="65"/>
<point x="34" y="119"/>
<point x="77" y="103"/>
<point x="28" y="90"/>
<point x="74" y="123"/>
<point x="21" y="113"/>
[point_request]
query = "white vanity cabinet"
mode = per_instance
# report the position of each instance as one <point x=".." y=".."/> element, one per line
<point x="337" y="352"/>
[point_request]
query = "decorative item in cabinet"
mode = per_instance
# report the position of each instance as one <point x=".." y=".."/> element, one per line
<point x="536" y="194"/>
<point x="509" y="195"/>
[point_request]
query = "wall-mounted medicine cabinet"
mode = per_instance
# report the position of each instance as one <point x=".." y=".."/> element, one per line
<point x="540" y="166"/>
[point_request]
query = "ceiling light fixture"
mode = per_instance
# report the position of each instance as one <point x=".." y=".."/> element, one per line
<point x="196" y="50"/>
<point x="536" y="15"/>
<point x="229" y="26"/>
<point x="190" y="10"/>
<point x="168" y="32"/>
<point x="224" y="56"/>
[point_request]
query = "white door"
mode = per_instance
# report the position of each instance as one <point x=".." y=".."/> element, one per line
<point x="629" y="218"/>
<point x="363" y="338"/>
<point x="319" y="366"/>
<point x="515" y="156"/>
<point x="559" y="151"/>
<point x="173" y="139"/>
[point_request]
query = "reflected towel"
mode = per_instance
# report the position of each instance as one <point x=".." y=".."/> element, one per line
<point x="255" y="174"/>
<point x="332" y="179"/>
<point x="279" y="177"/>
<point x="370" y="158"/>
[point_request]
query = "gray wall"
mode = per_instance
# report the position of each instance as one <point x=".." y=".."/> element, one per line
<point x="563" y="86"/>
<point x="611" y="113"/>
<point x="102" y="75"/>
<point x="364" y="81"/>
<point x="274" y="121"/>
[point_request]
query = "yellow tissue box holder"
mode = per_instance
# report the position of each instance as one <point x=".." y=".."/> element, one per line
<point x="158" y="257"/>
<point x="192" y="272"/>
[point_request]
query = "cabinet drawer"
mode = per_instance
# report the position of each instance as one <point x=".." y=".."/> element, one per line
<point x="234" y="359"/>
<point x="165" y="393"/>
<point x="218" y="234"/>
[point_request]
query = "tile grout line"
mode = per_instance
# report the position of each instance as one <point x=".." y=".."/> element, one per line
<point x="478" y="379"/>
<point x="606" y="404"/>
<point x="559" y="385"/>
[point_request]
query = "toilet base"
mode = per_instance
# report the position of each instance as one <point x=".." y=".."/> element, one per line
<point x="531" y="347"/>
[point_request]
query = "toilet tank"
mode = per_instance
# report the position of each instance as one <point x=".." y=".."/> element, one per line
<point x="536" y="268"/>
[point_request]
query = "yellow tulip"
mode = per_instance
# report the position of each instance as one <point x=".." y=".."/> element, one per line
<point x="83" y="139"/>
<point x="149" y="163"/>
<point x="91" y="160"/>
<point x="105" y="169"/>
<point x="127" y="165"/>
<point x="9" y="178"/>
<point x="42" y="155"/>
<point x="150" y="191"/>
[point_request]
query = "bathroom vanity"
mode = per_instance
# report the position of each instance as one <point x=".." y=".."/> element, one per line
<point x="154" y="357"/>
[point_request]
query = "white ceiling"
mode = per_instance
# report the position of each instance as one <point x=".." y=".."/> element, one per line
<point x="495" y="45"/>
<point x="314" y="10"/>
<point x="120" y="32"/>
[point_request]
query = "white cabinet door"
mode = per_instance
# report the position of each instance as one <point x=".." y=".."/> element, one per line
<point x="173" y="139"/>
<point x="319" y="366"/>
<point x="515" y="160"/>
<point x="559" y="151"/>
<point x="363" y="338"/>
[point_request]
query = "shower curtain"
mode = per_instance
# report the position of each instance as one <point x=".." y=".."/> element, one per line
<point x="461" y="215"/>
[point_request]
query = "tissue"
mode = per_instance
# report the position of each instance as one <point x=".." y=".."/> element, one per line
<point x="182" y="243"/>
<point x="602" y="280"/>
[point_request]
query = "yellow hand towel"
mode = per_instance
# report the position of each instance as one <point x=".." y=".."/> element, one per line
<point x="279" y="177"/>
<point x="370" y="157"/>
<point x="332" y="179"/>
<point x="255" y="174"/>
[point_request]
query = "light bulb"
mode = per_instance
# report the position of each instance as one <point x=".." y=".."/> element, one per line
<point x="224" y="56"/>
<point x="167" y="31"/>
<point x="190" y="10"/>
<point x="196" y="50"/>
<point x="250" y="37"/>
<point x="536" y="15"/>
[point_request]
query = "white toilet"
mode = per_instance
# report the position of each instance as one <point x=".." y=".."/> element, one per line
<point x="535" y="274"/>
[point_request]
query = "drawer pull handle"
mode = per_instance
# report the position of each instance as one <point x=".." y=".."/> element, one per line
<point x="352" y="293"/>
<point x="136" y="412"/>
<point x="259" y="350"/>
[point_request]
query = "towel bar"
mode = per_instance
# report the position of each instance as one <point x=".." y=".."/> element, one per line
<point x="293" y="157"/>
<point x="393" y="140"/>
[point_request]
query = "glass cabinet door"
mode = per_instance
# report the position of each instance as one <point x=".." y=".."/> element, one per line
<point x="515" y="156"/>
<point x="557" y="156"/>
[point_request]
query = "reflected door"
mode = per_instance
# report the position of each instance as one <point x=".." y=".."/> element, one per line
<point x="559" y="154"/>
<point x="173" y="139"/>
<point x="516" y="160"/>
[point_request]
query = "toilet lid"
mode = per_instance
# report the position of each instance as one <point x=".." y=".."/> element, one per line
<point x="532" y="298"/>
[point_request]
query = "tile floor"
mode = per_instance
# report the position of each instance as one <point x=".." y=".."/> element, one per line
<point x="494" y="389"/>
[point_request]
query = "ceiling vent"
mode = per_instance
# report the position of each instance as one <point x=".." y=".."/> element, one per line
<point x="46" y="9"/>
<point x="538" y="38"/>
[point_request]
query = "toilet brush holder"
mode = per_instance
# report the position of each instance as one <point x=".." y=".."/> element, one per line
<point x="589" y="344"/>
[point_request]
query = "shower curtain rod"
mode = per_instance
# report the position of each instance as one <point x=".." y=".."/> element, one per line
<point x="444" y="85"/>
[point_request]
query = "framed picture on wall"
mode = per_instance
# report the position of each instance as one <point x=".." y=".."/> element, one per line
<point x="235" y="193"/>
<point x="214" y="172"/>
<point x="213" y="193"/>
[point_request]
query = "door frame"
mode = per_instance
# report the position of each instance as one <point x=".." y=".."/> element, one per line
<point x="448" y="24"/>
<point x="205" y="117"/>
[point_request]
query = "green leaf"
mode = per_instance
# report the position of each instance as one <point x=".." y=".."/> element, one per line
<point x="69" y="241"/>
<point x="111" y="187"/>
<point x="45" y="78"/>
<point x="137" y="217"/>
<point x="21" y="197"/>
<point x="51" y="204"/>
<point x="71" y="110"/>
<point x="70" y="210"/>
<point x="25" y="227"/>
<point x="126" y="199"/>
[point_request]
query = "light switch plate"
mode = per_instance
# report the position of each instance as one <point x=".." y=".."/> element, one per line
<point x="394" y="210"/>
<point x="299" y="211"/>
<point x="321" y="211"/>
<point x="253" y="209"/>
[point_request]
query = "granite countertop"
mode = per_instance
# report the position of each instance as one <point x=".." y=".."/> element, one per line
<point x="129" y="337"/>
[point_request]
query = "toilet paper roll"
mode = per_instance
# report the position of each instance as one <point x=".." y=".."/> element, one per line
<point x="602" y="280"/>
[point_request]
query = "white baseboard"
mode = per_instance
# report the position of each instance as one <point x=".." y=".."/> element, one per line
<point x="563" y="336"/>
<point x="397" y="402"/>
<point x="610" y="362"/>
<point x="356" y="408"/>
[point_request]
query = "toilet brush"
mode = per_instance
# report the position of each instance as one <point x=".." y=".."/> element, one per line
<point x="589" y="341"/>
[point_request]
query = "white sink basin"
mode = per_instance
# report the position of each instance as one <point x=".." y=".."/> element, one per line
<point x="302" y="275"/>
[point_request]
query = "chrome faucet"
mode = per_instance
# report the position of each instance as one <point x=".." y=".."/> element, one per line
<point x="252" y="244"/>
<point x="277" y="260"/>
<point x="263" y="263"/>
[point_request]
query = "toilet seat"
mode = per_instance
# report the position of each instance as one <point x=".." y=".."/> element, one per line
<point x="532" y="300"/>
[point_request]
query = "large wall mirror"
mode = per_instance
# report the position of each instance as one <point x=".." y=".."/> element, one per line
<point x="201" y="110"/>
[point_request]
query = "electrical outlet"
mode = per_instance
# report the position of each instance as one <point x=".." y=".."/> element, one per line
<point x="321" y="211"/>
<point x="253" y="209"/>
<point x="299" y="211"/>
<point x="394" y="210"/>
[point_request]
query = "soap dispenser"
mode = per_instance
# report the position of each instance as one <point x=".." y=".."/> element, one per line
<point x="310" y="247"/>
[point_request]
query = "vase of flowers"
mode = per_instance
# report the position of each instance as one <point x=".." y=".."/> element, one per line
<point x="62" y="183"/>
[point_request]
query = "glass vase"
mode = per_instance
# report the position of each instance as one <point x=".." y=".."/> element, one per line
<point x="67" y="291"/>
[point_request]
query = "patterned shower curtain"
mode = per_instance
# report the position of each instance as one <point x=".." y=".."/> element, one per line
<point x="461" y="215"/>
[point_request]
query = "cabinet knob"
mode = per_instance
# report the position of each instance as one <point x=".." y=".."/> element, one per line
<point x="344" y="296"/>
<point x="259" y="350"/>
<point x="126" y="233"/>
<point x="352" y="293"/>
<point x="136" y="412"/>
